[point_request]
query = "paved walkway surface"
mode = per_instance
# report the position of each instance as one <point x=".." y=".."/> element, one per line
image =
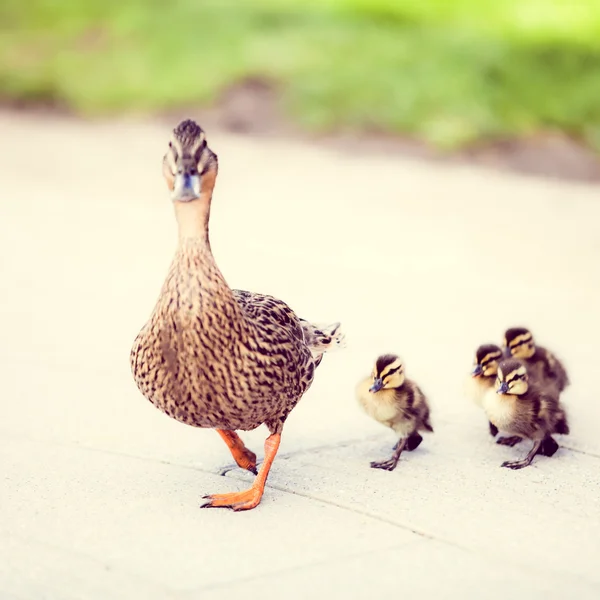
<point x="101" y="491"/>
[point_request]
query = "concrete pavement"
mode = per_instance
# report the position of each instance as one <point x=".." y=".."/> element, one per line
<point x="101" y="491"/>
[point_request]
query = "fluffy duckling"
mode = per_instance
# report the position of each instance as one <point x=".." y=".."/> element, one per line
<point x="541" y="363"/>
<point x="396" y="402"/>
<point x="525" y="409"/>
<point x="483" y="375"/>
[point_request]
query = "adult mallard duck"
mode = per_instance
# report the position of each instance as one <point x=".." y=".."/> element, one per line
<point x="214" y="357"/>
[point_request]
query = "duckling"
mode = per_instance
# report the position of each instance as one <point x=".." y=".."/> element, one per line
<point x="483" y="376"/>
<point x="213" y="357"/>
<point x="526" y="409"/>
<point x="397" y="402"/>
<point x="541" y="363"/>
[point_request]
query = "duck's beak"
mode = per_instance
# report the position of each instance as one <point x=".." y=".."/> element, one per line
<point x="377" y="385"/>
<point x="503" y="389"/>
<point x="185" y="187"/>
<point x="477" y="371"/>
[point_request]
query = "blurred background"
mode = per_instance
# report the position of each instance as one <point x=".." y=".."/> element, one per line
<point x="509" y="82"/>
<point x="348" y="132"/>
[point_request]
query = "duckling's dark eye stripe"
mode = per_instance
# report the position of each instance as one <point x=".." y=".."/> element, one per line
<point x="392" y="371"/>
<point x="520" y="343"/>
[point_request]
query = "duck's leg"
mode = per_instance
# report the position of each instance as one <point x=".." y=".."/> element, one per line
<point x="390" y="464"/>
<point x="246" y="459"/>
<point x="251" y="497"/>
<point x="519" y="464"/>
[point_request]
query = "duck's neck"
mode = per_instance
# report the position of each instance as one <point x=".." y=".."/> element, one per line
<point x="192" y="221"/>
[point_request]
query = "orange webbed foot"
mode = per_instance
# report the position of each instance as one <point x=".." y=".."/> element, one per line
<point x="245" y="500"/>
<point x="244" y="458"/>
<point x="249" y="498"/>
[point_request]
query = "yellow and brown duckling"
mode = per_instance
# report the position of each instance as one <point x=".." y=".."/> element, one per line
<point x="525" y="409"/>
<point x="483" y="375"/>
<point x="214" y="357"/>
<point x="541" y="364"/>
<point x="396" y="402"/>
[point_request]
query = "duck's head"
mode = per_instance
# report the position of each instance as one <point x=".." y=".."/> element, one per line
<point x="189" y="166"/>
<point x="388" y="373"/>
<point x="519" y="342"/>
<point x="512" y="377"/>
<point x="486" y="360"/>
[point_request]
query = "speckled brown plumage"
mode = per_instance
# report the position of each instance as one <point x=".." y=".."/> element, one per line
<point x="210" y="356"/>
<point x="218" y="358"/>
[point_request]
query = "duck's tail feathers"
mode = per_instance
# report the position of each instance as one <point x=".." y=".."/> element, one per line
<point x="323" y="338"/>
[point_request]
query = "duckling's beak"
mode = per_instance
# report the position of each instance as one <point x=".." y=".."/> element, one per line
<point x="503" y="389"/>
<point x="377" y="385"/>
<point x="477" y="371"/>
<point x="186" y="187"/>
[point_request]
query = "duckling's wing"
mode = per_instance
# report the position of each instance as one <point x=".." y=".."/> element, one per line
<point x="556" y="370"/>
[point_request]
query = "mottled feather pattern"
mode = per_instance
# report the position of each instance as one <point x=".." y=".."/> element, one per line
<point x="220" y="358"/>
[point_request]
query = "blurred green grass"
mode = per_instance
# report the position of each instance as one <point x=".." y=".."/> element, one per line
<point x="450" y="72"/>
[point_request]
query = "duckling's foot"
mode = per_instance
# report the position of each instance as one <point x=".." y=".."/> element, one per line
<point x="249" y="498"/>
<point x="512" y="440"/>
<point x="516" y="464"/>
<point x="519" y="464"/>
<point x="493" y="429"/>
<point x="549" y="447"/>
<point x="388" y="465"/>
<point x="245" y="458"/>
<point x="414" y="441"/>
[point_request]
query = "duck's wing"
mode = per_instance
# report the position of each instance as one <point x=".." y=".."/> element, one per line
<point x="271" y="315"/>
